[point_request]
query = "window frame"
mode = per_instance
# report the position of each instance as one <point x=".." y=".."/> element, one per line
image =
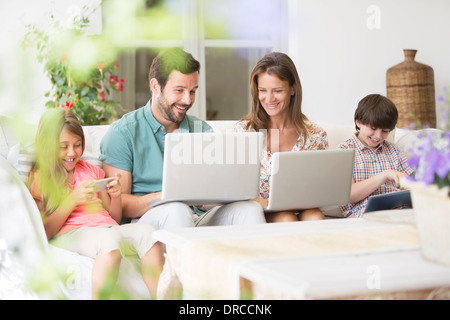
<point x="193" y="41"/>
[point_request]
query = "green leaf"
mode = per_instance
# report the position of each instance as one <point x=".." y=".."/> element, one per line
<point x="50" y="104"/>
<point x="60" y="81"/>
<point x="84" y="91"/>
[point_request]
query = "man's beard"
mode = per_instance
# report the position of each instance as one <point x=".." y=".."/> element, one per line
<point x="167" y="110"/>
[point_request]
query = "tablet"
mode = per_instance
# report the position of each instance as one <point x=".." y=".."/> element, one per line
<point x="389" y="201"/>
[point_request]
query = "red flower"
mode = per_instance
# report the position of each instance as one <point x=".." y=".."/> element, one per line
<point x="101" y="66"/>
<point x="101" y="96"/>
<point x="114" y="81"/>
<point x="68" y="105"/>
<point x="120" y="85"/>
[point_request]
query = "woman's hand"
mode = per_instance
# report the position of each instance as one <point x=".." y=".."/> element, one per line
<point x="262" y="202"/>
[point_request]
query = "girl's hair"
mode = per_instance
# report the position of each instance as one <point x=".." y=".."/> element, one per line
<point x="376" y="111"/>
<point x="52" y="175"/>
<point x="280" y="65"/>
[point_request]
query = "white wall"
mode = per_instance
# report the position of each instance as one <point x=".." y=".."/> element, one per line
<point x="22" y="81"/>
<point x="342" y="49"/>
<point x="339" y="58"/>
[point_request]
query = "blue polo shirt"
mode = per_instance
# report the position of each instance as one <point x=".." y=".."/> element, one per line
<point x="135" y="143"/>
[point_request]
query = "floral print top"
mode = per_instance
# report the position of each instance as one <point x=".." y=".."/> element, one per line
<point x="316" y="140"/>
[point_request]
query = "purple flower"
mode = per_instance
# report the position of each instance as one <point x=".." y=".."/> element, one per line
<point x="430" y="158"/>
<point x="443" y="168"/>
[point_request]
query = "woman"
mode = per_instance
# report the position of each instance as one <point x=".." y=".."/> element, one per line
<point x="276" y="110"/>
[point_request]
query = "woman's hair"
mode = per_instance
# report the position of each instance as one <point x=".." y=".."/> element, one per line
<point x="172" y="59"/>
<point x="376" y="111"/>
<point x="52" y="175"/>
<point x="280" y="65"/>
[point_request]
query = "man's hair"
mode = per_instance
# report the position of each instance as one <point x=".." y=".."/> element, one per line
<point x="376" y="111"/>
<point x="172" y="59"/>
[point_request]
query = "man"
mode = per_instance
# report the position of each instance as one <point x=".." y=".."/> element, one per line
<point x="134" y="148"/>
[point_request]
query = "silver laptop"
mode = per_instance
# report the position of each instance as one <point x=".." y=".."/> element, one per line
<point x="211" y="168"/>
<point x="310" y="179"/>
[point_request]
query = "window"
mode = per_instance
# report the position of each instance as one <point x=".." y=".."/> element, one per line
<point x="227" y="36"/>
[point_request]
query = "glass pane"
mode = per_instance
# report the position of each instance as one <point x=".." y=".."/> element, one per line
<point x="144" y="58"/>
<point x="227" y="73"/>
<point x="160" y="20"/>
<point x="241" y="20"/>
<point x="143" y="19"/>
<point x="133" y="67"/>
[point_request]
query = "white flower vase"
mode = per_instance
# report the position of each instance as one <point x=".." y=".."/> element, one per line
<point x="432" y="211"/>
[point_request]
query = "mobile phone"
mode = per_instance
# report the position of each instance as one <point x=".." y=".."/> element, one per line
<point x="100" y="185"/>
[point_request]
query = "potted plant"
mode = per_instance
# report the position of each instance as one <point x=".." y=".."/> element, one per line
<point x="430" y="191"/>
<point x="82" y="69"/>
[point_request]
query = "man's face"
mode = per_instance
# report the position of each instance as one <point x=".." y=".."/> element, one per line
<point x="178" y="96"/>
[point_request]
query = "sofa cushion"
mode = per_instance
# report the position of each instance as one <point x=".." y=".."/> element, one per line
<point x="336" y="133"/>
<point x="21" y="231"/>
<point x="3" y="144"/>
<point x="22" y="159"/>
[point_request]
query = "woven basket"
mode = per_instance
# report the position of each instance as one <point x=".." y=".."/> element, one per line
<point x="410" y="85"/>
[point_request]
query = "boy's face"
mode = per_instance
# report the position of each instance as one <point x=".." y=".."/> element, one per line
<point x="371" y="137"/>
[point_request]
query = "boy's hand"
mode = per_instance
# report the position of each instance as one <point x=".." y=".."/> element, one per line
<point x="394" y="176"/>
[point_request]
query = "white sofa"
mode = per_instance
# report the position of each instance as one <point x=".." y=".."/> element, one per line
<point x="24" y="251"/>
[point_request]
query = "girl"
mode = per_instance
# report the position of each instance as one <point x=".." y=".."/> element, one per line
<point x="78" y="218"/>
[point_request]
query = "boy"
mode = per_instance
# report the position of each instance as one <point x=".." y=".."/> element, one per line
<point x="379" y="164"/>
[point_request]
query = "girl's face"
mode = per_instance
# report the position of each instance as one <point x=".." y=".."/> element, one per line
<point x="70" y="149"/>
<point x="274" y="94"/>
<point x="371" y="137"/>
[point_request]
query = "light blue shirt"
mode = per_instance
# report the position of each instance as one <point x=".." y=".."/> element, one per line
<point x="135" y="143"/>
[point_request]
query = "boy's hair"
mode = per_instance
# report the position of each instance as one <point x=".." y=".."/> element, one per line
<point x="376" y="111"/>
<point x="172" y="59"/>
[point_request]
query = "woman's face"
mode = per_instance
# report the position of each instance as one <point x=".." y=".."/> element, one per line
<point x="274" y="94"/>
<point x="70" y="149"/>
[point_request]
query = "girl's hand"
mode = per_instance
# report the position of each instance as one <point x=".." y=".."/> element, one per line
<point x="113" y="187"/>
<point x="83" y="192"/>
